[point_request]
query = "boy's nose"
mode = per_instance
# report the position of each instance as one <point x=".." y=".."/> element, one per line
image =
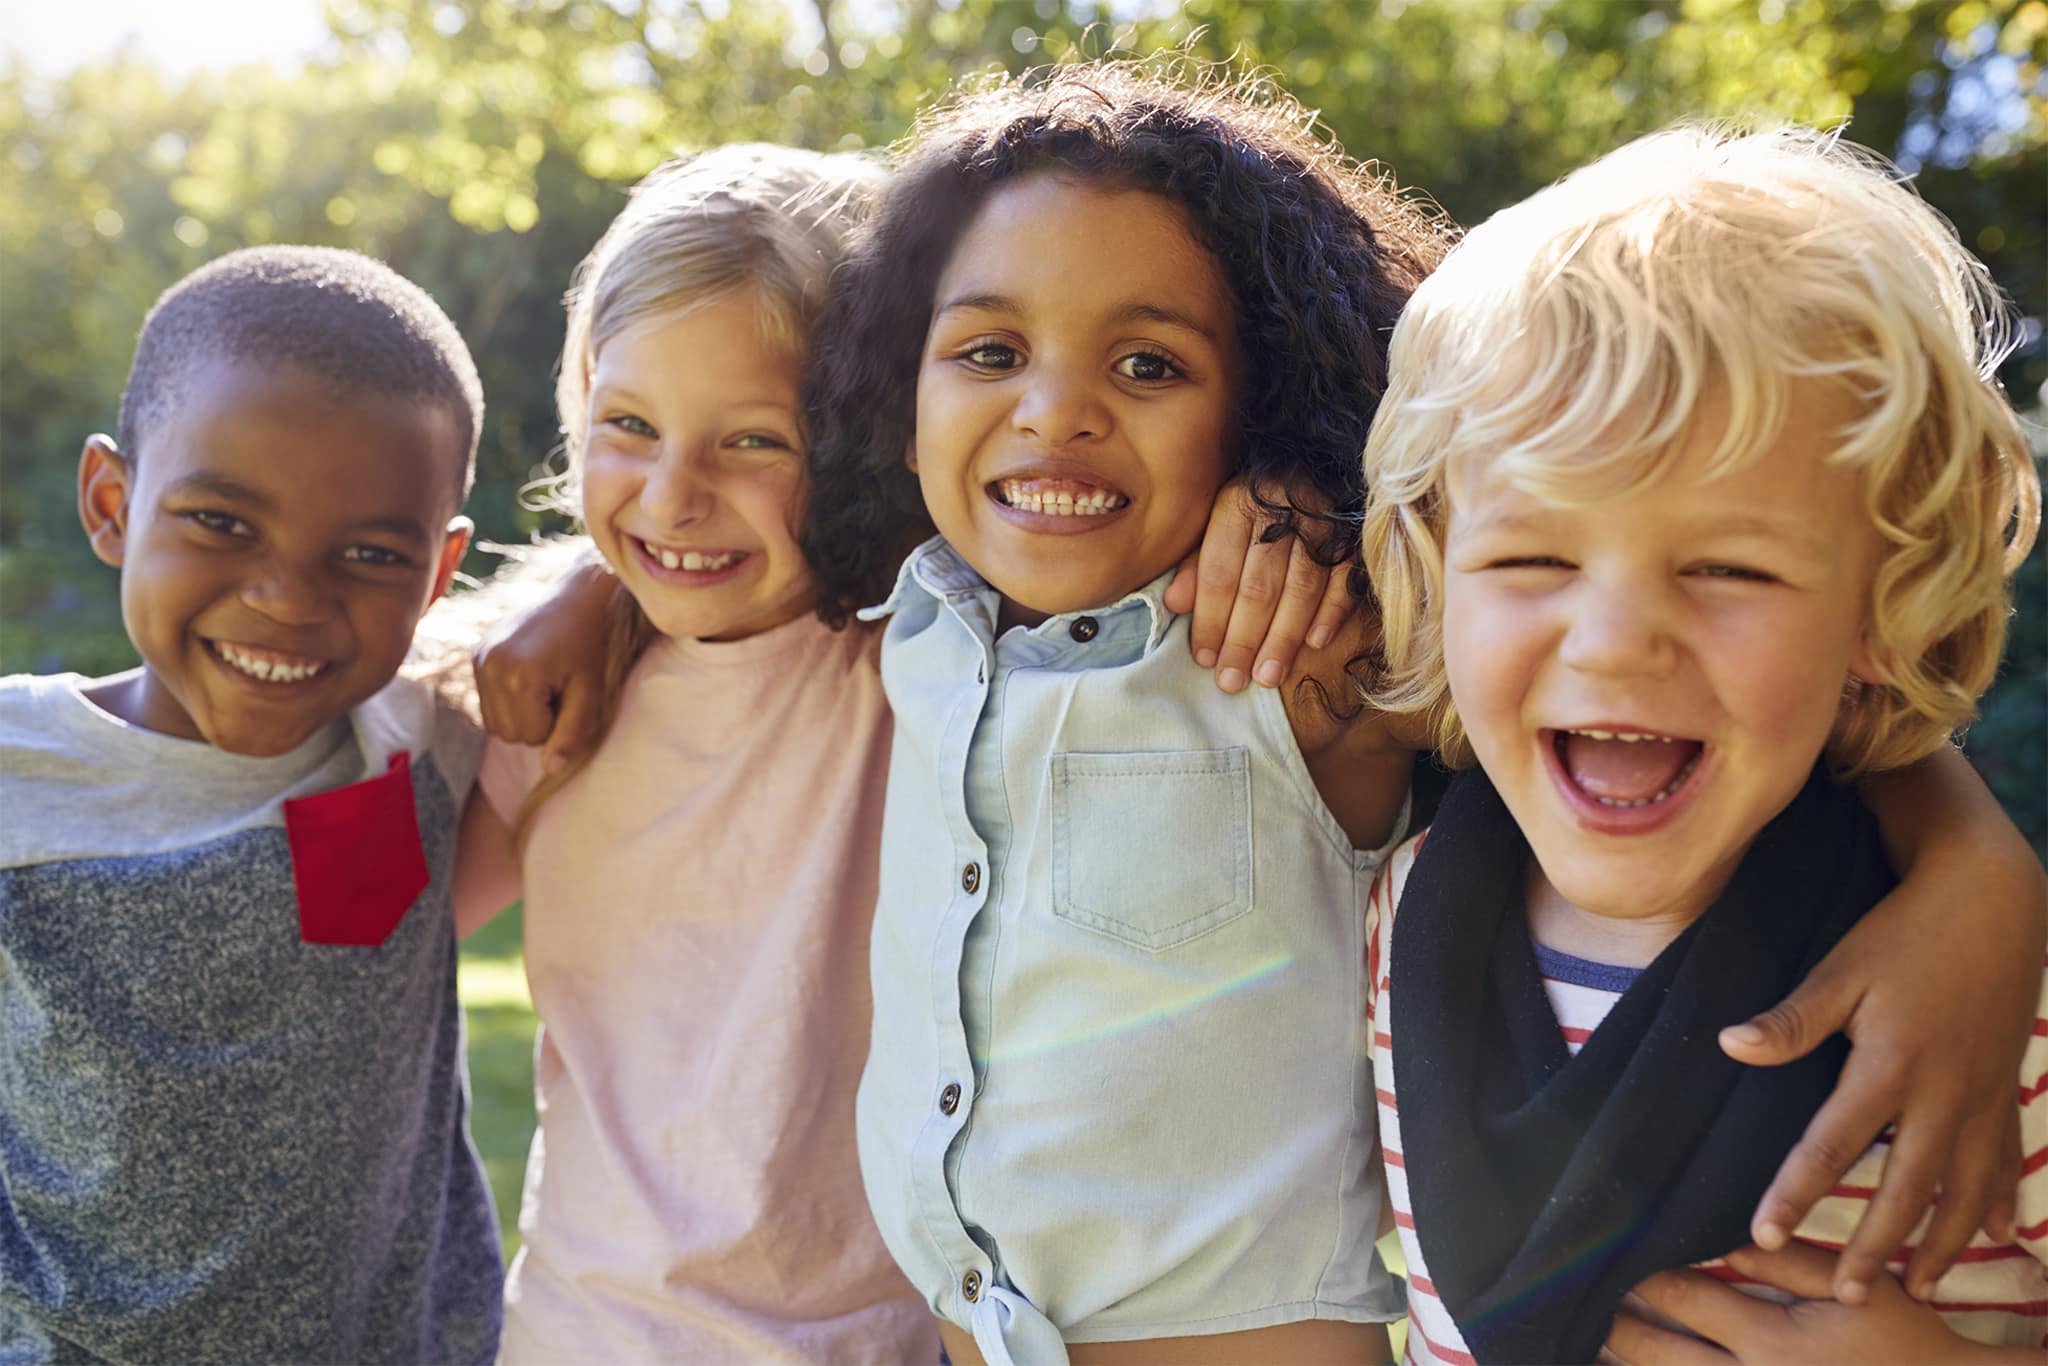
<point x="1059" y="407"/>
<point x="1620" y="628"/>
<point x="289" y="593"/>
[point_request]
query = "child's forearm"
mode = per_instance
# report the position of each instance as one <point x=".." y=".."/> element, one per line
<point x="1940" y="810"/>
<point x="487" y="875"/>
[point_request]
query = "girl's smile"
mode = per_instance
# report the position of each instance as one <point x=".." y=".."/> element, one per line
<point x="1076" y="400"/>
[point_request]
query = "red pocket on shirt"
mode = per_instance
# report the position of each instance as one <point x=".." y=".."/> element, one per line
<point x="357" y="861"/>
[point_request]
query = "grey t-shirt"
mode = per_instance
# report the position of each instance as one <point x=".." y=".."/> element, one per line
<point x="219" y="1142"/>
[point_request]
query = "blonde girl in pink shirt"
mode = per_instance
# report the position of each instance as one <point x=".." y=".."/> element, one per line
<point x="698" y="889"/>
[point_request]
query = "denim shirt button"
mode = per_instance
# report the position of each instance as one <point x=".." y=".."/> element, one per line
<point x="970" y="878"/>
<point x="970" y="1286"/>
<point x="1083" y="629"/>
<point x="949" y="1099"/>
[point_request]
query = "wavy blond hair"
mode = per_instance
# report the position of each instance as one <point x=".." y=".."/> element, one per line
<point x="1568" y="345"/>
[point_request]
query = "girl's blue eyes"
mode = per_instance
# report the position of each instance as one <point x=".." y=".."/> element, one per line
<point x="750" y="441"/>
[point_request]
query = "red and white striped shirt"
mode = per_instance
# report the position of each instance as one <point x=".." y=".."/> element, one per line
<point x="1997" y="1293"/>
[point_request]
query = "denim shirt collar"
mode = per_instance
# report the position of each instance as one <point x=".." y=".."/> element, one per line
<point x="936" y="571"/>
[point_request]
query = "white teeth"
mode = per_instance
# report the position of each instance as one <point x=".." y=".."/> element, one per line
<point x="1632" y="737"/>
<point x="1059" y="504"/>
<point x="690" y="559"/>
<point x="269" y="670"/>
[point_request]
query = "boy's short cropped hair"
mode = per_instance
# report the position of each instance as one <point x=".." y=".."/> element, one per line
<point x="339" y="315"/>
<point x="1573" y="340"/>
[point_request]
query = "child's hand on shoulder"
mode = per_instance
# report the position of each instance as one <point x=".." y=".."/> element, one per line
<point x="540" y="676"/>
<point x="1890" y="1327"/>
<point x="1255" y="602"/>
<point x="1938" y="1036"/>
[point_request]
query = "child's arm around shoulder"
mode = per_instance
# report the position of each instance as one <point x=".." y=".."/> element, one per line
<point x="1936" y="989"/>
<point x="1359" y="758"/>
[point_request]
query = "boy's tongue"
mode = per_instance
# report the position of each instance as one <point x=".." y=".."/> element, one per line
<point x="1624" y="770"/>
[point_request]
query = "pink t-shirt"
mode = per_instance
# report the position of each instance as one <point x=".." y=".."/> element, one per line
<point x="697" y="909"/>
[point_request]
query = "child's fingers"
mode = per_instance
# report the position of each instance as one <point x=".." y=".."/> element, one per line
<point x="1837" y="1135"/>
<point x="1797" y="1268"/>
<point x="1923" y="1137"/>
<point x="1300" y="596"/>
<point x="1818" y="1007"/>
<point x="2002" y="1221"/>
<point x="1180" y="589"/>
<point x="1260" y="589"/>
<point x="1981" y="1167"/>
<point x="1701" y="1305"/>
<point x="1636" y="1342"/>
<point x="1220" y="566"/>
<point x="1334" y="610"/>
<point x="576" y="723"/>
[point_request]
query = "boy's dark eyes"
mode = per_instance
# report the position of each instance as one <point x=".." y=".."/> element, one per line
<point x="376" y="556"/>
<point x="221" y="523"/>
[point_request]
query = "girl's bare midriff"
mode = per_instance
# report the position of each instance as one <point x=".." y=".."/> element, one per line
<point x="1310" y="1342"/>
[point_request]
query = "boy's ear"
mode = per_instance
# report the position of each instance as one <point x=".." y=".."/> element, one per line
<point x="910" y="455"/>
<point x="105" y="481"/>
<point x="460" y="529"/>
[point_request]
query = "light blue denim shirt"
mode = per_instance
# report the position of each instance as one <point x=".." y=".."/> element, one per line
<point x="1119" y="1084"/>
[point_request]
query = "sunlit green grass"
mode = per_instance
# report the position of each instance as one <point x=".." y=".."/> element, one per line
<point x="492" y="983"/>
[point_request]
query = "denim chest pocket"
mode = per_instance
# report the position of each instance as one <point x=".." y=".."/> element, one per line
<point x="1152" y="849"/>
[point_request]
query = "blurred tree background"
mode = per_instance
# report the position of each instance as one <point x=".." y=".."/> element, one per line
<point x="480" y="146"/>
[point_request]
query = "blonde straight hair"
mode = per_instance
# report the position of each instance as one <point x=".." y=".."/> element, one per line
<point x="747" y="219"/>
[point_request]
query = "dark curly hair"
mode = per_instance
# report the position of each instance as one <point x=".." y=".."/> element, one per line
<point x="1319" y="251"/>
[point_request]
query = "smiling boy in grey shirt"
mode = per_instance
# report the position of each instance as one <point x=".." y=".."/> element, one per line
<point x="232" y="1096"/>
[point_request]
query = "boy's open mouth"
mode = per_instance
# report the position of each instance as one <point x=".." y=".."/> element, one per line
<point x="1063" y="497"/>
<point x="1624" y="769"/>
<point x="268" y="666"/>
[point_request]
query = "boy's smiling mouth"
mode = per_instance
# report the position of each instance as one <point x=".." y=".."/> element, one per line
<point x="266" y="666"/>
<point x="1626" y="778"/>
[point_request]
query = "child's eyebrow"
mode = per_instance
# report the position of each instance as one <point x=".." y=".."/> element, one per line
<point x="1141" y="312"/>
<point x="408" y="527"/>
<point x="1135" y="311"/>
<point x="978" y="303"/>
<point x="218" y="486"/>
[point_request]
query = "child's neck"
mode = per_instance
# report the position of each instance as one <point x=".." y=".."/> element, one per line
<point x="1623" y="941"/>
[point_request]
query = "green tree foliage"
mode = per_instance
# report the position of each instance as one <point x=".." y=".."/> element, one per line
<point x="480" y="146"/>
